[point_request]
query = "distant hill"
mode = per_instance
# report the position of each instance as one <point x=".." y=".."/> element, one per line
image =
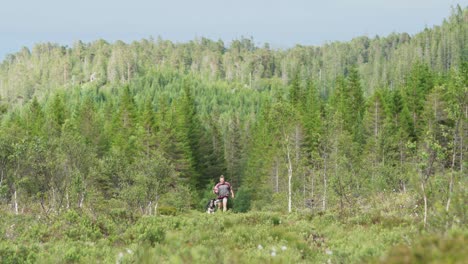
<point x="381" y="61"/>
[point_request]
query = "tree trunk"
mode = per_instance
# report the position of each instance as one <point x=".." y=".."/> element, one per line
<point x="376" y="119"/>
<point x="80" y="204"/>
<point x="462" y="137"/>
<point x="53" y="202"/>
<point x="313" y="182"/>
<point x="338" y="176"/>
<point x="450" y="191"/>
<point x="376" y="132"/>
<point x="289" y="178"/>
<point x="400" y="145"/>
<point x="304" y="186"/>
<point x="68" y="201"/>
<point x="276" y="174"/>
<point x="324" y="202"/>
<point x="423" y="187"/>
<point x="454" y="155"/>
<point x="297" y="144"/>
<point x="148" y="211"/>
<point x="16" y="203"/>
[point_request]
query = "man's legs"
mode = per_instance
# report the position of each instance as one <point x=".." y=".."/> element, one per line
<point x="225" y="199"/>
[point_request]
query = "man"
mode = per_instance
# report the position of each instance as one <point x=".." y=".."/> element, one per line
<point x="222" y="189"/>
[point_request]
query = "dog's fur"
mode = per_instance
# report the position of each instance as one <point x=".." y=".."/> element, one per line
<point x="211" y="206"/>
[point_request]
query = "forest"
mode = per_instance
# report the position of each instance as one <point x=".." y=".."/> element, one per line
<point x="115" y="147"/>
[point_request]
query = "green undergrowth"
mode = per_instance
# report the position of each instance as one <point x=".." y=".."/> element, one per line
<point x="450" y="247"/>
<point x="195" y="237"/>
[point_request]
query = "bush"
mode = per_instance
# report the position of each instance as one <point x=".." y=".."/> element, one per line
<point x="181" y="197"/>
<point x="12" y="253"/>
<point x="72" y="255"/>
<point x="275" y="220"/>
<point x="153" y="235"/>
<point x="119" y="212"/>
<point x="148" y="230"/>
<point x="205" y="197"/>
<point x="74" y="226"/>
<point x="431" y="249"/>
<point x="167" y="210"/>
<point x="243" y="200"/>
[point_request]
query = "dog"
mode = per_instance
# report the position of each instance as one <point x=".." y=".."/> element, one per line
<point x="211" y="206"/>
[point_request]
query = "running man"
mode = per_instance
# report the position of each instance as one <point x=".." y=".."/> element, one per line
<point x="222" y="189"/>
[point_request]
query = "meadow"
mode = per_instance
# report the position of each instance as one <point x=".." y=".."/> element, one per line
<point x="391" y="233"/>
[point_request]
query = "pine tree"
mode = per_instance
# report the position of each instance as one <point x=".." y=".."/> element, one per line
<point x="356" y="103"/>
<point x="312" y="118"/>
<point x="56" y="114"/>
<point x="374" y="118"/>
<point x="419" y="84"/>
<point x="124" y="126"/>
<point x="35" y="118"/>
<point x="194" y="132"/>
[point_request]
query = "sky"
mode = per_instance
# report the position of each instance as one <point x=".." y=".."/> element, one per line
<point x="282" y="24"/>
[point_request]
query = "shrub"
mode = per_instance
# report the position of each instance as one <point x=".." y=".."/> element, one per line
<point x="431" y="249"/>
<point x="149" y="230"/>
<point x="12" y="253"/>
<point x="243" y="200"/>
<point x="167" y="210"/>
<point x="72" y="255"/>
<point x="153" y="235"/>
<point x="75" y="226"/>
<point x="206" y="196"/>
<point x="275" y="220"/>
<point x="181" y="197"/>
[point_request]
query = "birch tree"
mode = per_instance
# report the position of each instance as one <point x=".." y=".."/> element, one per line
<point x="284" y="121"/>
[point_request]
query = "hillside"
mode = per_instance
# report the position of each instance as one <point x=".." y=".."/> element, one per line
<point x="381" y="61"/>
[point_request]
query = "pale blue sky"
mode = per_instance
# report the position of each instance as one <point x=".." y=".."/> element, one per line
<point x="280" y="23"/>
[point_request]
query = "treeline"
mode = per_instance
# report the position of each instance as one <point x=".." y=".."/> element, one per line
<point x="381" y="61"/>
<point x="154" y="124"/>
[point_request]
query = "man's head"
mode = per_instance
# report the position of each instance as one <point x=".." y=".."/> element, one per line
<point x="221" y="179"/>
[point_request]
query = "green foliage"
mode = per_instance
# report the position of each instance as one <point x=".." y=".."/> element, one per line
<point x="78" y="227"/>
<point x="243" y="200"/>
<point x="244" y="238"/>
<point x="167" y="210"/>
<point x="150" y="233"/>
<point x="437" y="248"/>
<point x="13" y="253"/>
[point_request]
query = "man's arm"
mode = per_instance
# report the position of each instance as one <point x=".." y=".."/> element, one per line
<point x="215" y="189"/>
<point x="232" y="193"/>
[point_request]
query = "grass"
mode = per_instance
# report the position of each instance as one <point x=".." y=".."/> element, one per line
<point x="195" y="237"/>
<point x="388" y="233"/>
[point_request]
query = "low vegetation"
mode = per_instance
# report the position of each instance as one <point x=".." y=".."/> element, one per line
<point x="368" y="235"/>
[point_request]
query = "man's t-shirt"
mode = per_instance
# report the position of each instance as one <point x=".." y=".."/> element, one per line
<point x="223" y="189"/>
